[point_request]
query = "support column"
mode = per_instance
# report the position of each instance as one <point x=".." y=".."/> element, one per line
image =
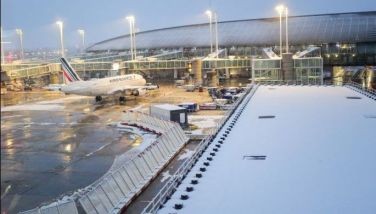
<point x="176" y="74"/>
<point x="227" y="73"/>
<point x="212" y="77"/>
<point x="197" y="71"/>
<point x="288" y="67"/>
<point x="253" y="71"/>
<point x="54" y="78"/>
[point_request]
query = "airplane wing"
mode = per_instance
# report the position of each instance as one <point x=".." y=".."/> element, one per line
<point x="123" y="89"/>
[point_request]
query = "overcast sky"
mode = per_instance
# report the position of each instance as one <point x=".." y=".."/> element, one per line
<point x="103" y="19"/>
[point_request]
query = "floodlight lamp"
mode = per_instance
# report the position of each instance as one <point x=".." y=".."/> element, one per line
<point x="280" y="8"/>
<point x="59" y="23"/>
<point x="19" y="31"/>
<point x="209" y="13"/>
<point x="130" y="18"/>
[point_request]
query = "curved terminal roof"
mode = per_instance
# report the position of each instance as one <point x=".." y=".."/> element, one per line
<point x="311" y="29"/>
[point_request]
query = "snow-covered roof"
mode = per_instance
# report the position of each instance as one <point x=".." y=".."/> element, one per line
<point x="319" y="156"/>
<point x="168" y="107"/>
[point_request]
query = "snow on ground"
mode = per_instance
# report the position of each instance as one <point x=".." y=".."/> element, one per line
<point x="137" y="108"/>
<point x="10" y="116"/>
<point x="33" y="107"/>
<point x="97" y="150"/>
<point x="165" y="176"/>
<point x="50" y="105"/>
<point x="63" y="100"/>
<point x="120" y="160"/>
<point x="147" y="139"/>
<point x="320" y="157"/>
<point x="203" y="122"/>
<point x="187" y="154"/>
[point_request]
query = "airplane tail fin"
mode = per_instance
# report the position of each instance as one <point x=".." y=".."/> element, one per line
<point x="68" y="72"/>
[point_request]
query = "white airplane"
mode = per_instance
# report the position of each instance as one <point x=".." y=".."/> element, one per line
<point x="110" y="86"/>
<point x="53" y="87"/>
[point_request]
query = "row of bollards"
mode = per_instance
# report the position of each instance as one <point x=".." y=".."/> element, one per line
<point x="363" y="92"/>
<point x="212" y="154"/>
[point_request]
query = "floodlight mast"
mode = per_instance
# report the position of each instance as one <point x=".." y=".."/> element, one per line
<point x="60" y="25"/>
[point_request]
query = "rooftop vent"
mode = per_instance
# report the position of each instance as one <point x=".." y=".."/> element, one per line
<point x="370" y="116"/>
<point x="266" y="117"/>
<point x="353" y="98"/>
<point x="254" y="157"/>
<point x="178" y="206"/>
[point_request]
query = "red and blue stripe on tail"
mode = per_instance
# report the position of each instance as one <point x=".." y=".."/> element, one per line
<point x="69" y="74"/>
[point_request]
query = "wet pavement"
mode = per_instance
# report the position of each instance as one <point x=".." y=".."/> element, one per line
<point x="53" y="144"/>
<point x="50" y="152"/>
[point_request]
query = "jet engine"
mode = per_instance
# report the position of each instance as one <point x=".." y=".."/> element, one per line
<point x="138" y="92"/>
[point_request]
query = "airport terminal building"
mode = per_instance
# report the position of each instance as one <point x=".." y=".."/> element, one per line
<point x="292" y="144"/>
<point x="344" y="38"/>
<point x="326" y="47"/>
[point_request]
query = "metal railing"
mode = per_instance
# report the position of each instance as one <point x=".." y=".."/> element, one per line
<point x="10" y="67"/>
<point x="58" y="207"/>
<point x="311" y="81"/>
<point x="111" y="58"/>
<point x="169" y="188"/>
<point x="168" y="55"/>
<point x="368" y="92"/>
<point x="92" y="66"/>
<point x="121" y="185"/>
<point x="156" y="65"/>
<point x="226" y="63"/>
<point x="56" y="67"/>
<point x="29" y="71"/>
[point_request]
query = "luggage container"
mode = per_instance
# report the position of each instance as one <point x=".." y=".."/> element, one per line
<point x="208" y="106"/>
<point x="191" y="107"/>
<point x="190" y="88"/>
<point x="170" y="112"/>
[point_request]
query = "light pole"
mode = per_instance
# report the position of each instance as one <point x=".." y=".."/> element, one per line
<point x="134" y="39"/>
<point x="82" y="34"/>
<point x="210" y="15"/>
<point x="2" y="46"/>
<point x="20" y="34"/>
<point x="132" y="36"/>
<point x="60" y="25"/>
<point x="216" y="33"/>
<point x="287" y="31"/>
<point x="280" y="9"/>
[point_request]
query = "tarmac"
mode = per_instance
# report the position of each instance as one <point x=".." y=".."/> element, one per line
<point x="53" y="144"/>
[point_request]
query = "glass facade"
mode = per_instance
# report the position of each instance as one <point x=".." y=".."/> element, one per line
<point x="309" y="70"/>
<point x="152" y="65"/>
<point x="266" y="70"/>
<point x="226" y="63"/>
<point x="306" y="71"/>
<point x="303" y="30"/>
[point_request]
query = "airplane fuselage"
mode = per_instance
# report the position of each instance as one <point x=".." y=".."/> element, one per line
<point x="105" y="86"/>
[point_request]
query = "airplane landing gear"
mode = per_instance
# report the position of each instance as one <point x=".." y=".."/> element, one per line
<point x="98" y="98"/>
<point x="122" y="99"/>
